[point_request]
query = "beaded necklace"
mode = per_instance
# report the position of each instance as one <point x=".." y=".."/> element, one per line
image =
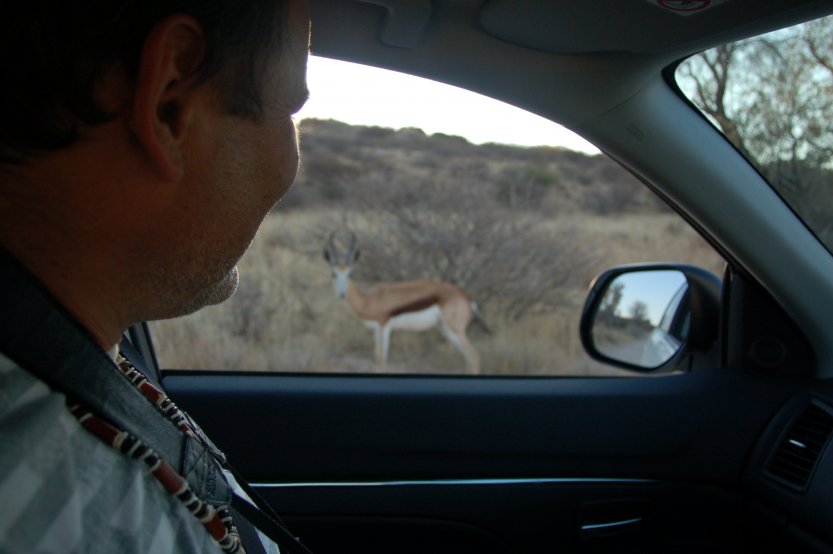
<point x="216" y="520"/>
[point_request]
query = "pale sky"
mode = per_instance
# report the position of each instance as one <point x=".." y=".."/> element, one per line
<point x="655" y="289"/>
<point x="362" y="95"/>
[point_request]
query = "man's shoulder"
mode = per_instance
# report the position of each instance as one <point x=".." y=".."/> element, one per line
<point x="25" y="401"/>
<point x="66" y="491"/>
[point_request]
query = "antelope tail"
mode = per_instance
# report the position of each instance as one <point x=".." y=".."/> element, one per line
<point x="479" y="318"/>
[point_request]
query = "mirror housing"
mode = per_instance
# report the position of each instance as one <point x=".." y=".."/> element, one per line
<point x="646" y="317"/>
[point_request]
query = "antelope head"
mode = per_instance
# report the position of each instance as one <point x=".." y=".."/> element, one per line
<point x="341" y="266"/>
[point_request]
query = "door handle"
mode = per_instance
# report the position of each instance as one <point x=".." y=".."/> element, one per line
<point x="607" y="528"/>
<point x="612" y="517"/>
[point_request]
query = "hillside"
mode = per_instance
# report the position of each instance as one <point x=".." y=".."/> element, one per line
<point x="339" y="159"/>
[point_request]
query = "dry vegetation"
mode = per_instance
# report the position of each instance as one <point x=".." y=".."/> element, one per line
<point x="523" y="230"/>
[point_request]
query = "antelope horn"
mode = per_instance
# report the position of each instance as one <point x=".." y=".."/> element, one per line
<point x="331" y="248"/>
<point x="348" y="258"/>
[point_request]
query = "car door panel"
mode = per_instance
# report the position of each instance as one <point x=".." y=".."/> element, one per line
<point x="493" y="464"/>
<point x="512" y="517"/>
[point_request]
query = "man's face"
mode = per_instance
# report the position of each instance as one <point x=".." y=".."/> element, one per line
<point x="239" y="171"/>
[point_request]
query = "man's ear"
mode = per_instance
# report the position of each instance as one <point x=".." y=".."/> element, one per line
<point x="165" y="91"/>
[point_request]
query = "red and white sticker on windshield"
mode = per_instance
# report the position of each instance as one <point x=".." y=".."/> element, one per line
<point x="686" y="7"/>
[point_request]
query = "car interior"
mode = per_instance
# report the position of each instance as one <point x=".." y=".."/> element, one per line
<point x="723" y="447"/>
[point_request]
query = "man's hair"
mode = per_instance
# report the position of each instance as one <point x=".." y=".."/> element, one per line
<point x="53" y="51"/>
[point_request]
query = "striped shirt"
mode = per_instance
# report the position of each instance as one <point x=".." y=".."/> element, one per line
<point x="63" y="491"/>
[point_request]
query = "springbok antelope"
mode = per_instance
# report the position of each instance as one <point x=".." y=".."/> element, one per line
<point x="412" y="305"/>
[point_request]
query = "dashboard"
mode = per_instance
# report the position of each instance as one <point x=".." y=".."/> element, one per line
<point x="790" y="474"/>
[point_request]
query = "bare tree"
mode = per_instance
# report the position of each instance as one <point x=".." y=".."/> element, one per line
<point x="711" y="72"/>
<point x="773" y="99"/>
<point x="458" y="233"/>
<point x="638" y="311"/>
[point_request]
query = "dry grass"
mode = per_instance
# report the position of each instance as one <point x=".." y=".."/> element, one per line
<point x="633" y="238"/>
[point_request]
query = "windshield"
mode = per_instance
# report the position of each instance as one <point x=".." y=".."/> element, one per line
<point x="772" y="96"/>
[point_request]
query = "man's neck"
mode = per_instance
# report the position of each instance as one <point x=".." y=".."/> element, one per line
<point x="60" y="224"/>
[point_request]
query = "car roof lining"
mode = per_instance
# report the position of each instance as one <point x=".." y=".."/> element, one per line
<point x="454" y="49"/>
<point x="640" y="26"/>
<point x="581" y="27"/>
<point x="404" y="23"/>
<point x="462" y="44"/>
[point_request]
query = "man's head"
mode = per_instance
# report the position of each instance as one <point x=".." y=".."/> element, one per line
<point x="143" y="143"/>
<point x="53" y="53"/>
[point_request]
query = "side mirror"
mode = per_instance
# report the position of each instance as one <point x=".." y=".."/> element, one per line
<point x="648" y="316"/>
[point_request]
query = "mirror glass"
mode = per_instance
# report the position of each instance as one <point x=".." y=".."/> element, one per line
<point x="643" y="317"/>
